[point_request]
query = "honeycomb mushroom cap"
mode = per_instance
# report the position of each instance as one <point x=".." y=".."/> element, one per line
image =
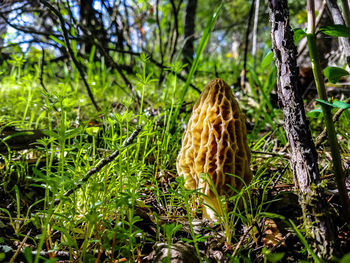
<point x="215" y="142"/>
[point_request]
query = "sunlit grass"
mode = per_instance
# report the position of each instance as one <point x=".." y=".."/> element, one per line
<point x="103" y="214"/>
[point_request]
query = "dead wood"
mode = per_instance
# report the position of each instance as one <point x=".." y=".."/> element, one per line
<point x="17" y="140"/>
<point x="303" y="160"/>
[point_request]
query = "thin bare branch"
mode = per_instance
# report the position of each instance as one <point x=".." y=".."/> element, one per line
<point x="70" y="51"/>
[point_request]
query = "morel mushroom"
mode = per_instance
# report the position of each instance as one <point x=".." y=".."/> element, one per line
<point x="215" y="143"/>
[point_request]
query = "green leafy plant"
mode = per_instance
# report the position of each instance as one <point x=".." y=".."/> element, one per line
<point x="305" y="243"/>
<point x="272" y="257"/>
<point x="202" y="44"/>
<point x="333" y="74"/>
<point x="335" y="30"/>
<point x="315" y="62"/>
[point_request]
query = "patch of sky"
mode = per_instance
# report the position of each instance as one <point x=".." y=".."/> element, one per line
<point x="124" y="8"/>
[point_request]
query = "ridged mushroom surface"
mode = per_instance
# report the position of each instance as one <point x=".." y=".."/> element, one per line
<point x="215" y="143"/>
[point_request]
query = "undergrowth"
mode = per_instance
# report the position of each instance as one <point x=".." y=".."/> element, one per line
<point x="106" y="217"/>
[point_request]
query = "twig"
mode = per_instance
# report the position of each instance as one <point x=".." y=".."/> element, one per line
<point x="117" y="67"/>
<point x="161" y="48"/>
<point x="323" y="135"/>
<point x="41" y="78"/>
<point x="175" y="33"/>
<point x="26" y="30"/>
<point x="284" y="155"/>
<point x="247" y="44"/>
<point x="160" y="65"/>
<point x="70" y="51"/>
<point x="275" y="247"/>
<point x="243" y="237"/>
<point x="160" y="43"/>
<point x="103" y="162"/>
<point x="278" y="178"/>
<point x="20" y="246"/>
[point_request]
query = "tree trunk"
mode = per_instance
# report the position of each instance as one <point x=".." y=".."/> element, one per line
<point x="304" y="156"/>
<point x="93" y="26"/>
<point x="189" y="30"/>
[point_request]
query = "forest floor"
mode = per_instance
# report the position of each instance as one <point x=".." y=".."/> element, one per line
<point x="161" y="229"/>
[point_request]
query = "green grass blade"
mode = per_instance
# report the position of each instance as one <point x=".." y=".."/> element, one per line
<point x="204" y="40"/>
<point x="306" y="245"/>
<point x="203" y="43"/>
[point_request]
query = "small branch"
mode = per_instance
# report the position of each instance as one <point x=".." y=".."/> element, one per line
<point x="243" y="237"/>
<point x="160" y="43"/>
<point x="103" y="162"/>
<point x="177" y="75"/>
<point x="243" y="73"/>
<point x="278" y="178"/>
<point x="70" y="51"/>
<point x="311" y="20"/>
<point x="279" y="154"/>
<point x="175" y="33"/>
<point x="161" y="48"/>
<point x="159" y="65"/>
<point x="27" y="30"/>
<point x="20" y="246"/>
<point x="118" y="68"/>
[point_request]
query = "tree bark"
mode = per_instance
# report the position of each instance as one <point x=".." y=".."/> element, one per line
<point x="189" y="30"/>
<point x="304" y="156"/>
<point x="88" y="19"/>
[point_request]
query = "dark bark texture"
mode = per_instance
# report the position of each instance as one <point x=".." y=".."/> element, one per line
<point x="189" y="30"/>
<point x="304" y="156"/>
